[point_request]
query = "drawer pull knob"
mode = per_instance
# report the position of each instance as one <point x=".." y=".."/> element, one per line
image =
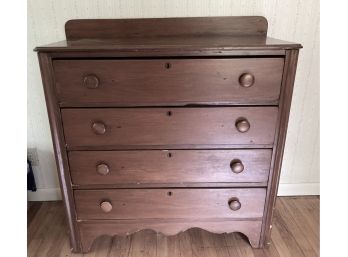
<point x="99" y="128"/>
<point x="106" y="206"/>
<point x="237" y="166"/>
<point x="103" y="169"/>
<point x="242" y="125"/>
<point x="91" y="81"/>
<point x="234" y="204"/>
<point x="246" y="80"/>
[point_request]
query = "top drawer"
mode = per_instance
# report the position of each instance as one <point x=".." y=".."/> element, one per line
<point x="168" y="81"/>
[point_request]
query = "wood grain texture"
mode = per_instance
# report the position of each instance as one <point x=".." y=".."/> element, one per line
<point x="140" y="28"/>
<point x="296" y="20"/>
<point x="175" y="166"/>
<point x="300" y="220"/>
<point x="277" y="158"/>
<point x="91" y="230"/>
<point x="169" y="126"/>
<point x="183" y="46"/>
<point x="168" y="52"/>
<point x="173" y="185"/>
<point x="168" y="81"/>
<point x="158" y="34"/>
<point x="54" y="115"/>
<point x="170" y="203"/>
<point x="33" y="207"/>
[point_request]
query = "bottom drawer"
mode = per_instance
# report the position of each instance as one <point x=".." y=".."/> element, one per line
<point x="170" y="203"/>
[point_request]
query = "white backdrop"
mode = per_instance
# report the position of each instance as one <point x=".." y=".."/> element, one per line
<point x="292" y="20"/>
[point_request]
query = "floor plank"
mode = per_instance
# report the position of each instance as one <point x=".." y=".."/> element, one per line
<point x="65" y="250"/>
<point x="34" y="207"/>
<point x="138" y="244"/>
<point x="295" y="233"/>
<point x="150" y="246"/>
<point x="211" y="245"/>
<point x="299" y="235"/>
<point x="197" y="243"/>
<point x="243" y="245"/>
<point x="231" y="244"/>
<point x="121" y="246"/>
<point x="173" y="247"/>
<point x="185" y="244"/>
<point x="305" y="226"/>
<point x="271" y="251"/>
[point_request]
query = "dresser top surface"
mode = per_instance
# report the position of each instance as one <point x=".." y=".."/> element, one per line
<point x="198" y="33"/>
<point x="182" y="43"/>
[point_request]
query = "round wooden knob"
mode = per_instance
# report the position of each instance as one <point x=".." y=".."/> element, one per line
<point x="234" y="204"/>
<point x="103" y="169"/>
<point x="106" y="206"/>
<point x="246" y="80"/>
<point x="91" y="81"/>
<point x="237" y="166"/>
<point x="242" y="125"/>
<point x="99" y="128"/>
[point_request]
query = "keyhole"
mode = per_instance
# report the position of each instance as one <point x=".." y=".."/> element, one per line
<point x="169" y="193"/>
<point x="169" y="113"/>
<point x="168" y="65"/>
<point x="169" y="155"/>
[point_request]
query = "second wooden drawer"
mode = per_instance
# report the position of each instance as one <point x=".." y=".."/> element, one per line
<point x="174" y="166"/>
<point x="216" y="127"/>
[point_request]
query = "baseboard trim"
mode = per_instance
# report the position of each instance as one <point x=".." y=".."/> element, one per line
<point x="299" y="189"/>
<point x="45" y="194"/>
<point x="54" y="194"/>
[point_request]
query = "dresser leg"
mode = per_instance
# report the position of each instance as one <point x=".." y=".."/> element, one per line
<point x="75" y="246"/>
<point x="87" y="242"/>
<point x="253" y="235"/>
<point x="254" y="240"/>
<point x="265" y="242"/>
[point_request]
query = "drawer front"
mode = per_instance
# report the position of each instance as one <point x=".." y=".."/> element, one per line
<point x="169" y="203"/>
<point x="169" y="127"/>
<point x="174" y="166"/>
<point x="169" y="81"/>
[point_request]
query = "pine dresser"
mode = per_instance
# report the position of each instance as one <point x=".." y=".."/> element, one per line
<point x="168" y="124"/>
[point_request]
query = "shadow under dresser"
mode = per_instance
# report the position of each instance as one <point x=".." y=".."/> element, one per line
<point x="168" y="124"/>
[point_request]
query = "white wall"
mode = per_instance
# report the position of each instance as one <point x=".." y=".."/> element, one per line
<point x="293" y="20"/>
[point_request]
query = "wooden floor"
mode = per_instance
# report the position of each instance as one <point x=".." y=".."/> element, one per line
<point x="295" y="233"/>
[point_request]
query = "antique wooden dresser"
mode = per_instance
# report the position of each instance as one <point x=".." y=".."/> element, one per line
<point x="168" y="124"/>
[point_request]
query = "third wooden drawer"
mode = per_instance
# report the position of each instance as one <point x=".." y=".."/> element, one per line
<point x="169" y="166"/>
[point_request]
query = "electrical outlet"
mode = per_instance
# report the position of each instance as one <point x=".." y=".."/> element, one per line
<point x="33" y="156"/>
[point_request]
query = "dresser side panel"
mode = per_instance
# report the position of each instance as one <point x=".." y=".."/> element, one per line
<point x="54" y="116"/>
<point x="279" y="143"/>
